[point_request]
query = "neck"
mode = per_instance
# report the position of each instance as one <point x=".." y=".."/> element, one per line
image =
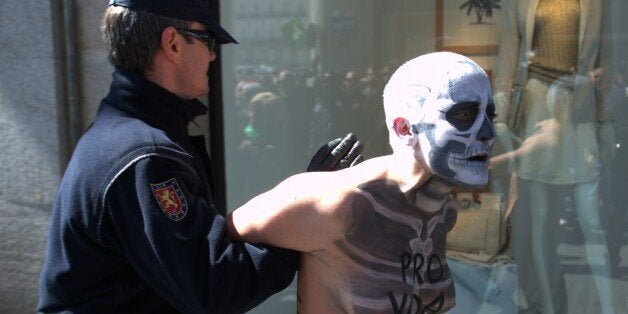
<point x="421" y="188"/>
<point x="431" y="195"/>
<point x="161" y="72"/>
<point x="434" y="186"/>
<point x="407" y="172"/>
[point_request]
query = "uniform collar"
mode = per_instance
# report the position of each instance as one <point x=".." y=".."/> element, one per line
<point x="136" y="95"/>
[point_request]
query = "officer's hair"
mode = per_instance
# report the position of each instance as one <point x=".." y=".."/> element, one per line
<point x="133" y="37"/>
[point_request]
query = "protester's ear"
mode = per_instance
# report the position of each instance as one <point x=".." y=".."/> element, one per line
<point x="402" y="127"/>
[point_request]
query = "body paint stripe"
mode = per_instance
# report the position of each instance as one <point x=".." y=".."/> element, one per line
<point x="413" y="222"/>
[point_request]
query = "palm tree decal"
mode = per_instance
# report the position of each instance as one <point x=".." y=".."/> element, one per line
<point x="481" y="8"/>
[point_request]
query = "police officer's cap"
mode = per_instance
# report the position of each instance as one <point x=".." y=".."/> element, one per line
<point x="189" y="10"/>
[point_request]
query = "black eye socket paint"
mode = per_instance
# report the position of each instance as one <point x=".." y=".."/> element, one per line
<point x="462" y="115"/>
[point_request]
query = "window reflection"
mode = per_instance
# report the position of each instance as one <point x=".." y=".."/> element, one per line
<point x="308" y="71"/>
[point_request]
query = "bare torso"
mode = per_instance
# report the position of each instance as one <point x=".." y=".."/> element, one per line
<point x="389" y="258"/>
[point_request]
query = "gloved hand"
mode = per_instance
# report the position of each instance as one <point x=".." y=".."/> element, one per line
<point x="337" y="154"/>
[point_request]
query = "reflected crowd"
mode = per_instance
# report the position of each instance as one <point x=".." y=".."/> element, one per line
<point x="287" y="114"/>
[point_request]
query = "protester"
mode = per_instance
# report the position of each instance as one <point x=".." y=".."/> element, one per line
<point x="373" y="236"/>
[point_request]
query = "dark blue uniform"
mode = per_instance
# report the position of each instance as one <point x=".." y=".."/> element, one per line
<point x="134" y="227"/>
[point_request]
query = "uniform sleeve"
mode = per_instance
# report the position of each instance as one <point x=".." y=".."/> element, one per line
<point x="177" y="242"/>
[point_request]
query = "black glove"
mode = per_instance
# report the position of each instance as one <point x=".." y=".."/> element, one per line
<point x="337" y="154"/>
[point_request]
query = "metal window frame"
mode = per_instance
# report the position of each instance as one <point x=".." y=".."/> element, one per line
<point x="216" y="125"/>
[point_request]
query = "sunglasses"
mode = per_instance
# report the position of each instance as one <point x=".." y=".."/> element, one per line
<point x="206" y="37"/>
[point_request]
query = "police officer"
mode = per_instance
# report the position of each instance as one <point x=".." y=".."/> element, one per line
<point x="134" y="227"/>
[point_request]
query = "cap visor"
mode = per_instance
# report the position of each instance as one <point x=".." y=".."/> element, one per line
<point x="222" y="36"/>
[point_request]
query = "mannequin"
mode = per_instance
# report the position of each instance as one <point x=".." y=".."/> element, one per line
<point x="543" y="75"/>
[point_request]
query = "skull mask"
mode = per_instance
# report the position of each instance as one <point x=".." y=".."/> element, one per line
<point x="454" y="129"/>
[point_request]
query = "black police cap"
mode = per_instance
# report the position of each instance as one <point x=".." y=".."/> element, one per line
<point x="189" y="10"/>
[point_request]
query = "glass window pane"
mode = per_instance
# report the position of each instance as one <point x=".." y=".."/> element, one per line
<point x="308" y="71"/>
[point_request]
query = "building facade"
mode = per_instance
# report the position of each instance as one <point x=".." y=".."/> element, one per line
<point x="336" y="53"/>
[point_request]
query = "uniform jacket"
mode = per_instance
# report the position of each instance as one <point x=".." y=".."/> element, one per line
<point x="134" y="228"/>
<point x="517" y="29"/>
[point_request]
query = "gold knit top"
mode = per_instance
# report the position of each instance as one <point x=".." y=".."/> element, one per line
<point x="555" y="41"/>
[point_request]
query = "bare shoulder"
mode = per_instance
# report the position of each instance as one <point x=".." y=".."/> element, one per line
<point x="328" y="192"/>
<point x="339" y="183"/>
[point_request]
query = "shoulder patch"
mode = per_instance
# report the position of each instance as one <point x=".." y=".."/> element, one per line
<point x="170" y="199"/>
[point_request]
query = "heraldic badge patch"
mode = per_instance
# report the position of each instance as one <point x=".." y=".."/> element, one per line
<point x="170" y="198"/>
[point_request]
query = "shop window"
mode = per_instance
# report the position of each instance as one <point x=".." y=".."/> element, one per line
<point x="561" y="132"/>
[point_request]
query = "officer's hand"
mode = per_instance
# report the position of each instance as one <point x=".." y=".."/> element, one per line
<point x="337" y="154"/>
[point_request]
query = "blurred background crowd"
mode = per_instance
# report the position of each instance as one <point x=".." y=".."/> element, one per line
<point x="272" y="105"/>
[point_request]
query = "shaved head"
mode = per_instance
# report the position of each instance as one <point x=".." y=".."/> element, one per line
<point x="446" y="99"/>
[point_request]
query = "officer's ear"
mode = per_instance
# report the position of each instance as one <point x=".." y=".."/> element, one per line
<point x="170" y="43"/>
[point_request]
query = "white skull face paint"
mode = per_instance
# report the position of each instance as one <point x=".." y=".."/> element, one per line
<point x="455" y="132"/>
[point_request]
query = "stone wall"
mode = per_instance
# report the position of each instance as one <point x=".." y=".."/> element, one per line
<point x="29" y="146"/>
<point x="33" y="128"/>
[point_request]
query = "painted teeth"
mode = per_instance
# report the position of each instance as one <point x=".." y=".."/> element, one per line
<point x="470" y="164"/>
<point x="465" y="156"/>
<point x="480" y="156"/>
